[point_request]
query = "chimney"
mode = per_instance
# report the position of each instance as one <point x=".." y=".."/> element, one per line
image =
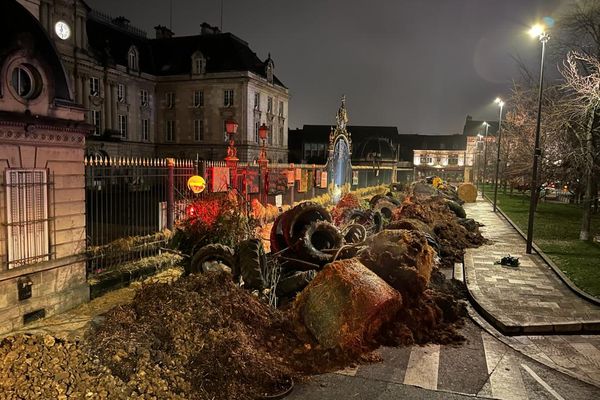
<point x="162" y="32"/>
<point x="207" y="29"/>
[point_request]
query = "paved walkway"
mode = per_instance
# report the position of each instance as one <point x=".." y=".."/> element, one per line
<point x="528" y="299"/>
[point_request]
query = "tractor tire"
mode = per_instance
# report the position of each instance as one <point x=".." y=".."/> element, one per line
<point x="375" y="199"/>
<point x="294" y="282"/>
<point x="385" y="207"/>
<point x="276" y="238"/>
<point x="319" y="236"/>
<point x="213" y="252"/>
<point x="301" y="216"/>
<point x="377" y="220"/>
<point x="252" y="263"/>
<point x="355" y="215"/>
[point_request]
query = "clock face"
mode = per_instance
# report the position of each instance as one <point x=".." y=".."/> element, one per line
<point x="62" y="30"/>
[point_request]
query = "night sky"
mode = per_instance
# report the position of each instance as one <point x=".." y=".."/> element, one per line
<point x="420" y="65"/>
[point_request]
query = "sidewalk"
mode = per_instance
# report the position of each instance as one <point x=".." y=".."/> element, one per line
<point x="528" y="299"/>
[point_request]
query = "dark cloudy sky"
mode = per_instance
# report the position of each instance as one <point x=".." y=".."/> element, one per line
<point x="420" y="65"/>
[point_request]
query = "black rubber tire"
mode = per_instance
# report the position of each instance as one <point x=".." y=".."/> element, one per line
<point x="385" y="207"/>
<point x="355" y="215"/>
<point x="276" y="238"/>
<point x="252" y="263"/>
<point x="377" y="219"/>
<point x="355" y="233"/>
<point x="213" y="252"/>
<point x="393" y="200"/>
<point x="317" y="236"/>
<point x="375" y="199"/>
<point x="301" y="216"/>
<point x="294" y="282"/>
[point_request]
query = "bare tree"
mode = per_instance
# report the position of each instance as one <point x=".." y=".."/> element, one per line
<point x="581" y="72"/>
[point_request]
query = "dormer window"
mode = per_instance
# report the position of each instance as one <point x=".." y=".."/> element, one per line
<point x="133" y="59"/>
<point x="269" y="66"/>
<point x="198" y="63"/>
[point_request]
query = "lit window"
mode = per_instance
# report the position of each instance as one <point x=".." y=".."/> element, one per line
<point x="121" y="93"/>
<point x="257" y="101"/>
<point x="198" y="98"/>
<point x="145" y="130"/>
<point x="170" y="131"/>
<point x="27" y="216"/>
<point x="144" y="97"/>
<point x="95" y="120"/>
<point x="123" y="126"/>
<point x="170" y="99"/>
<point x="94" y="86"/>
<point x="198" y="130"/>
<point x="228" y="98"/>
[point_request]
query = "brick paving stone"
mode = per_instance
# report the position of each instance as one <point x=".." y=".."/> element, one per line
<point x="526" y="296"/>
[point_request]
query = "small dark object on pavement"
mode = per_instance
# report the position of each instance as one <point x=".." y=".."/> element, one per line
<point x="509" y="261"/>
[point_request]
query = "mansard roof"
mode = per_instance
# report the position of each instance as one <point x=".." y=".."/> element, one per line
<point x="224" y="52"/>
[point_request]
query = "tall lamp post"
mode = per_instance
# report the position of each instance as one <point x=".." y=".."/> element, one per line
<point x="232" y="160"/>
<point x="501" y="105"/>
<point x="263" y="162"/>
<point x="478" y="146"/>
<point x="536" y="31"/>
<point x="485" y="157"/>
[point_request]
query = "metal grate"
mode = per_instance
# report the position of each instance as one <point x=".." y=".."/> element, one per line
<point x="27" y="212"/>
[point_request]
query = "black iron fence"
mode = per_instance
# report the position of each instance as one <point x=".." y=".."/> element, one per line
<point x="133" y="203"/>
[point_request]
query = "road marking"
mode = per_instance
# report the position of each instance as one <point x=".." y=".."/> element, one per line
<point x="541" y="382"/>
<point x="505" y="378"/>
<point x="423" y="365"/>
<point x="458" y="272"/>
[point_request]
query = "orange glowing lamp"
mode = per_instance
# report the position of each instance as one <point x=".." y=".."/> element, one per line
<point x="196" y="184"/>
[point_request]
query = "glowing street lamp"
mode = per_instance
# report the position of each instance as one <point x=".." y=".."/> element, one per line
<point x="501" y="105"/>
<point x="478" y="146"/>
<point x="485" y="155"/>
<point x="537" y="31"/>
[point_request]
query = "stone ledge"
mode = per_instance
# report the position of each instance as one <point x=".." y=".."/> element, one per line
<point x="41" y="266"/>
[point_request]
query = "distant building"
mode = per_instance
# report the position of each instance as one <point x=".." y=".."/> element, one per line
<point x="42" y="195"/>
<point x="167" y="96"/>
<point x="414" y="155"/>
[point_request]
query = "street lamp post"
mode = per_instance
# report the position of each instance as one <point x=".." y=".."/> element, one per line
<point x="478" y="175"/>
<point x="263" y="161"/>
<point x="232" y="160"/>
<point x="485" y="157"/>
<point x="536" y="31"/>
<point x="501" y="105"/>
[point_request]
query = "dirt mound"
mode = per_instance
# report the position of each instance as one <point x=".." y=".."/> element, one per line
<point x="452" y="237"/>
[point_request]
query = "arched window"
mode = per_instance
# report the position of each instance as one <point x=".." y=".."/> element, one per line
<point x="133" y="58"/>
<point x="198" y="63"/>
